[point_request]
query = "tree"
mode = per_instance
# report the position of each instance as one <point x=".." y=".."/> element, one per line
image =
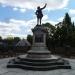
<point x="67" y="23"/>
<point x="67" y="19"/>
<point x="51" y="29"/>
<point x="65" y="31"/>
<point x="16" y="39"/>
<point x="0" y="38"/>
<point x="30" y="39"/>
<point x="49" y="38"/>
<point x="9" y="40"/>
<point x="69" y="27"/>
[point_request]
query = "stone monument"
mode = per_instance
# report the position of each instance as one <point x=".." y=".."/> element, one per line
<point x="39" y="57"/>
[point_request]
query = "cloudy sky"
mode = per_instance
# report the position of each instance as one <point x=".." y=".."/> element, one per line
<point x="17" y="17"/>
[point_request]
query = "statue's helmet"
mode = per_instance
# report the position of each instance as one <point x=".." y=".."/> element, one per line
<point x="38" y="7"/>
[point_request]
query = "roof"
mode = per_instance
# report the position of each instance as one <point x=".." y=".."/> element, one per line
<point x="23" y="43"/>
<point x="3" y="44"/>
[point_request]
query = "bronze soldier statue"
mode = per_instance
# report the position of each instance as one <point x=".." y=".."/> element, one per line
<point x="39" y="14"/>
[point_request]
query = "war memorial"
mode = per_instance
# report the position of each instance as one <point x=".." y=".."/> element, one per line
<point x="39" y="57"/>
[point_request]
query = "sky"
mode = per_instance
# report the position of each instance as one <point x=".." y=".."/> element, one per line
<point x="17" y="17"/>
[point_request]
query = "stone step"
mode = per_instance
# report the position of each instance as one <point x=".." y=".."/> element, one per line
<point x="41" y="61"/>
<point x="39" y="51"/>
<point x="40" y="64"/>
<point x="38" y="60"/>
<point x="40" y="68"/>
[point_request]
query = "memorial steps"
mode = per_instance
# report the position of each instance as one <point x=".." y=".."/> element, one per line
<point x="38" y="64"/>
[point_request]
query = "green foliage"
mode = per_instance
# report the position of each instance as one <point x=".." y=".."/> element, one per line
<point x="70" y="29"/>
<point x="63" y="34"/>
<point x="16" y="39"/>
<point x="0" y="38"/>
<point x="51" y="29"/>
<point x="66" y="31"/>
<point x="67" y="20"/>
<point x="30" y="39"/>
<point x="11" y="40"/>
<point x="49" y="38"/>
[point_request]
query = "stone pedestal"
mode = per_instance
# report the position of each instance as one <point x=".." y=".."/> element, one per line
<point x="39" y="57"/>
<point x="39" y="49"/>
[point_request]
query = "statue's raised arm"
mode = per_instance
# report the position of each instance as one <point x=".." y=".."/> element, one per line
<point x="44" y="6"/>
<point x="39" y="14"/>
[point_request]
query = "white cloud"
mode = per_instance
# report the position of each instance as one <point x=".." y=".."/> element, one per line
<point x="15" y="9"/>
<point x="64" y="3"/>
<point x="72" y="11"/>
<point x="60" y="19"/>
<point x="12" y="26"/>
<point x="46" y="19"/>
<point x="73" y="19"/>
<point x="19" y="9"/>
<point x="32" y="4"/>
<point x="23" y="10"/>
